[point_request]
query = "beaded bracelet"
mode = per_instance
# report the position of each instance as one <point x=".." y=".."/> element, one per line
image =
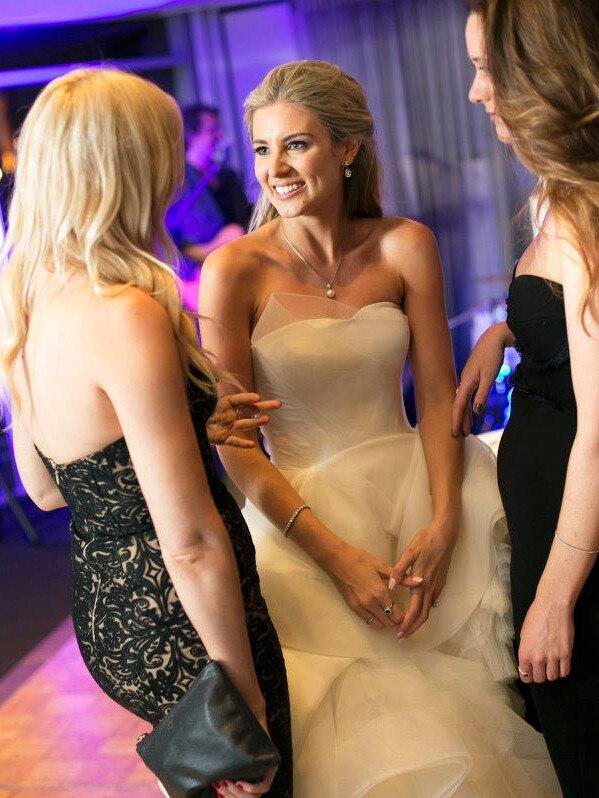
<point x="590" y="552"/>
<point x="293" y="518"/>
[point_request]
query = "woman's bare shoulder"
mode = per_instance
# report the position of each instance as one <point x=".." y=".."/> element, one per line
<point x="396" y="232"/>
<point x="242" y="260"/>
<point x="125" y="325"/>
<point x="131" y="308"/>
<point x="404" y="244"/>
<point x="401" y="230"/>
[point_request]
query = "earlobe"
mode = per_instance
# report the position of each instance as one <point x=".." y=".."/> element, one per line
<point x="352" y="148"/>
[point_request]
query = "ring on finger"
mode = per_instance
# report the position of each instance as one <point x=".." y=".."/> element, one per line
<point x="389" y="609"/>
<point x="435" y="603"/>
<point x="370" y="620"/>
<point x="524" y="674"/>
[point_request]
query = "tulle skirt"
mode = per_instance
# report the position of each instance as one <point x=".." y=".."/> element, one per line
<point x="426" y="717"/>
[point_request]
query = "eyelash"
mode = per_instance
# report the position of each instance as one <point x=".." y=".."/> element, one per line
<point x="302" y="144"/>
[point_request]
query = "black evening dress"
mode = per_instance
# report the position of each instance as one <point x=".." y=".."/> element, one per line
<point x="133" y="633"/>
<point x="532" y="463"/>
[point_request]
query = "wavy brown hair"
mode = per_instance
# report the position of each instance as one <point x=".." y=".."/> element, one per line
<point x="544" y="62"/>
<point x="337" y="101"/>
<point x="477" y="7"/>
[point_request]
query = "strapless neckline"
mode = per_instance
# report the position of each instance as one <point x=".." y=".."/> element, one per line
<point x="103" y="450"/>
<point x="357" y="312"/>
<point x="536" y="277"/>
<point x="200" y="406"/>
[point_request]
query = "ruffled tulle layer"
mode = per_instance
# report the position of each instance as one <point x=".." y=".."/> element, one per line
<point x="432" y="726"/>
<point x="425" y="717"/>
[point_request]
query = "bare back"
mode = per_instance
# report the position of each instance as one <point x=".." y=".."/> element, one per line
<point x="64" y="409"/>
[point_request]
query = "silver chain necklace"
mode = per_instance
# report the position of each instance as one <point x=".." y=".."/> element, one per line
<point x="330" y="291"/>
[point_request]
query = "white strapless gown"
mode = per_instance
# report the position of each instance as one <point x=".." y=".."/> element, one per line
<point x="427" y="717"/>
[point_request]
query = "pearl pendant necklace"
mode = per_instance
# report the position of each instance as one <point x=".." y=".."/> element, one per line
<point x="329" y="290"/>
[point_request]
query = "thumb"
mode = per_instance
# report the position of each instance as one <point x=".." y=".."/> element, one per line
<point x="412" y="581"/>
<point x="383" y="568"/>
<point x="398" y="573"/>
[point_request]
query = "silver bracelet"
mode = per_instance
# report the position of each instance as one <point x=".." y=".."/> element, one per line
<point x="292" y="520"/>
<point x="590" y="552"/>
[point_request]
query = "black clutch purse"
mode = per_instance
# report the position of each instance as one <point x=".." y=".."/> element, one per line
<point x="209" y="735"/>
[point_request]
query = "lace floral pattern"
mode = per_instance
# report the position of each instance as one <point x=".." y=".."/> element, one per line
<point x="133" y="633"/>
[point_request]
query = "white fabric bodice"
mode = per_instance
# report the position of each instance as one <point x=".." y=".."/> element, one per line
<point x="337" y="371"/>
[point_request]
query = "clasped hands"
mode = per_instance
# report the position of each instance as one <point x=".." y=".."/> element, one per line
<point x="367" y="583"/>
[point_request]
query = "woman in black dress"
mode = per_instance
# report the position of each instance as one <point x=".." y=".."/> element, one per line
<point x="99" y="357"/>
<point x="538" y="76"/>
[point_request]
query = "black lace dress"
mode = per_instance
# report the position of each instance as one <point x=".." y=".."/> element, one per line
<point x="532" y="464"/>
<point x="133" y="633"/>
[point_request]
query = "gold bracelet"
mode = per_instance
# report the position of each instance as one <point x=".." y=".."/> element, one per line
<point x="590" y="552"/>
<point x="293" y="518"/>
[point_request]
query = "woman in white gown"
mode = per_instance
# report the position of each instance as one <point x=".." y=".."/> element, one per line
<point x="396" y="691"/>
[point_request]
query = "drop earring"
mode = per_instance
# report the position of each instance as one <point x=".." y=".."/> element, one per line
<point x="347" y="171"/>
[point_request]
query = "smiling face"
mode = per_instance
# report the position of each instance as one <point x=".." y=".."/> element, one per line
<point x="481" y="91"/>
<point x="297" y="164"/>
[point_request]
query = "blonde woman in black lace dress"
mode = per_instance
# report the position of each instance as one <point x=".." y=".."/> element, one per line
<point x="110" y="400"/>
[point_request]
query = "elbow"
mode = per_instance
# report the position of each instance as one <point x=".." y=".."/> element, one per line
<point x="187" y="558"/>
<point x="184" y="557"/>
<point x="47" y="501"/>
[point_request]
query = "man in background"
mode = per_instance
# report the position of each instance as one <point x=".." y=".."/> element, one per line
<point x="213" y="208"/>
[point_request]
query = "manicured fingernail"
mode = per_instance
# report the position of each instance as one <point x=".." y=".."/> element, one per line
<point x="418" y="579"/>
<point x="392" y="583"/>
<point x="478" y="408"/>
<point x="400" y="635"/>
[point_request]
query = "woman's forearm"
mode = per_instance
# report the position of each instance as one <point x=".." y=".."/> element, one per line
<point x="567" y="568"/>
<point x="505" y="335"/>
<point x="267" y="489"/>
<point x="206" y="581"/>
<point x="444" y="457"/>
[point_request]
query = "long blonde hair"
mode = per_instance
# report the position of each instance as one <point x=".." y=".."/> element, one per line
<point x="99" y="157"/>
<point x="337" y="101"/>
<point x="544" y="63"/>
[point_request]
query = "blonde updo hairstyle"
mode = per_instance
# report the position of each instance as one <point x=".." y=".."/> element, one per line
<point x="337" y="102"/>
<point x="544" y="63"/>
<point x="100" y="155"/>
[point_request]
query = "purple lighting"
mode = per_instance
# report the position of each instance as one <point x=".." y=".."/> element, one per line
<point x="41" y="12"/>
